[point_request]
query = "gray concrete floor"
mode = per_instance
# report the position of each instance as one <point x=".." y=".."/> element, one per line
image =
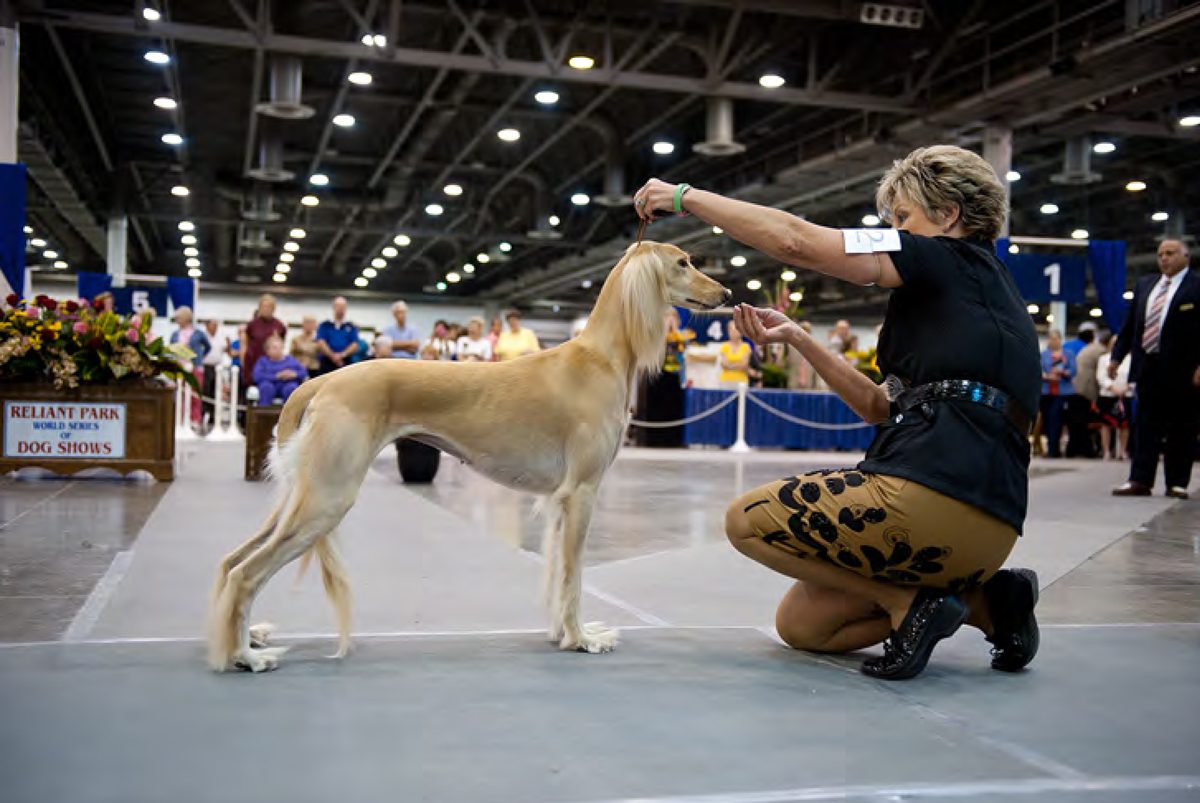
<point x="453" y="695"/>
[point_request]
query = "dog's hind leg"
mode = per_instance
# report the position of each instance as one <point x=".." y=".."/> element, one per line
<point x="577" y="508"/>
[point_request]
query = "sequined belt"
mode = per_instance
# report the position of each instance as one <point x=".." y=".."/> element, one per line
<point x="968" y="390"/>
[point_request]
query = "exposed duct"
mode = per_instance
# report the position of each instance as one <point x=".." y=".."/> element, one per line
<point x="719" y="141"/>
<point x="614" y="167"/>
<point x="58" y="188"/>
<point x="255" y="239"/>
<point x="259" y="207"/>
<point x="270" y="161"/>
<point x="287" y="81"/>
<point x="1077" y="164"/>
<point x="543" y="207"/>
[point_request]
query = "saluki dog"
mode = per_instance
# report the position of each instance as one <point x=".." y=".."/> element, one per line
<point x="548" y="423"/>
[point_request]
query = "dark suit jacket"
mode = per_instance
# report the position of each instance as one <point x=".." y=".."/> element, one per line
<point x="1179" y="343"/>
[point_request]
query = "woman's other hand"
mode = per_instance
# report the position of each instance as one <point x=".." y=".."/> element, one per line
<point x="765" y="326"/>
<point x="653" y="198"/>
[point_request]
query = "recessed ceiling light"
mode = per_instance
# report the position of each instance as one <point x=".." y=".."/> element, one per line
<point x="195" y="273"/>
<point x="187" y="225"/>
<point x="192" y="263"/>
<point x="291" y="246"/>
<point x="1014" y="249"/>
<point x="434" y="209"/>
<point x="870" y="220"/>
<point x="581" y="62"/>
<point x="402" y="240"/>
<point x="1104" y="147"/>
<point x="360" y="78"/>
<point x="172" y="139"/>
<point x="50" y="254"/>
<point x="468" y="268"/>
<point x="586" y="284"/>
<point x="1049" y="209"/>
<point x="188" y="239"/>
<point x="796" y="296"/>
<point x="484" y="258"/>
<point x="370" y="273"/>
<point x="1127" y="295"/>
<point x="38" y="242"/>
<point x="441" y="285"/>
<point x="344" y="120"/>
<point x="546" y="97"/>
<point x="509" y="134"/>
<point x="368" y="40"/>
<point x="310" y="200"/>
<point x="297" y="234"/>
<point x="1079" y="234"/>
<point x="360" y="282"/>
<point x="180" y="191"/>
<point x="191" y="252"/>
<point x="1033" y="309"/>
<point x="1136" y="186"/>
<point x="378" y="262"/>
<point x="663" y="147"/>
<point x="788" y="276"/>
<point x="554" y="221"/>
<point x="1190" y="120"/>
<point x="1012" y="175"/>
<point x="453" y="277"/>
<point x="318" y="179"/>
<point x="718" y="230"/>
<point x="753" y="284"/>
<point x="1159" y="217"/>
<point x="29" y="229"/>
<point x="505" y="247"/>
<point x="60" y="264"/>
<point x="771" y="81"/>
<point x="389" y="252"/>
<point x="157" y="57"/>
<point x="283" y="267"/>
<point x="379" y="40"/>
<point x="280" y="277"/>
<point x="580" y="199"/>
<point x="1095" y="312"/>
<point x="452" y="189"/>
<point x="165" y="103"/>
<point x="286" y="257"/>
<point x="737" y="261"/>
<point x="151" y="14"/>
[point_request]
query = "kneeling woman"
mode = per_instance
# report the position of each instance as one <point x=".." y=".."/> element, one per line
<point x="907" y="547"/>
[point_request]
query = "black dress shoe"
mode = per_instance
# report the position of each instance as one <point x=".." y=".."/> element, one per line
<point x="1131" y="488"/>
<point x="1011" y="596"/>
<point x="1177" y="492"/>
<point x="934" y="615"/>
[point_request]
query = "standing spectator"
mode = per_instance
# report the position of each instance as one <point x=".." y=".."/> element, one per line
<point x="1058" y="368"/>
<point x="263" y="325"/>
<point x="337" y="338"/>
<point x="237" y="349"/>
<point x="1115" y="397"/>
<point x="383" y="349"/>
<point x="734" y="358"/>
<point x="441" y="342"/>
<point x="1162" y="333"/>
<point x="1082" y="406"/>
<point x="212" y="362"/>
<point x="189" y="335"/>
<point x="405" y="338"/>
<point x="277" y="375"/>
<point x="494" y="335"/>
<point x="1085" y="335"/>
<point x="304" y="345"/>
<point x="473" y="346"/>
<point x="517" y="341"/>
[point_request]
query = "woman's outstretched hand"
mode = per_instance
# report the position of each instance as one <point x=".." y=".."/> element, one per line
<point x="654" y="199"/>
<point x="764" y="326"/>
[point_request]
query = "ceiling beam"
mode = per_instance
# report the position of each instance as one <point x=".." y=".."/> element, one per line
<point x="435" y="59"/>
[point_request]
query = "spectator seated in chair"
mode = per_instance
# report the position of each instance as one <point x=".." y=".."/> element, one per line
<point x="277" y="375"/>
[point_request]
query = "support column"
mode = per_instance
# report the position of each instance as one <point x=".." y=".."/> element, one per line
<point x="9" y="64"/>
<point x="118" y="238"/>
<point x="13" y="277"/>
<point x="997" y="151"/>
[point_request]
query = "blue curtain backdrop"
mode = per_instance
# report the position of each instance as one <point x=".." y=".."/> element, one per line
<point x="1107" y="258"/>
<point x="12" y="228"/>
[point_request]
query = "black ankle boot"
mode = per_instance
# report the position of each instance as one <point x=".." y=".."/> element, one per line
<point x="934" y="615"/>
<point x="1011" y="596"/>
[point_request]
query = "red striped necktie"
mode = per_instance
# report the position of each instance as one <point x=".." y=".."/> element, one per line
<point x="1158" y="307"/>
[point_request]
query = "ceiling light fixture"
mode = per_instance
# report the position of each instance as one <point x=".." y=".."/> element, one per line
<point x="441" y="285"/>
<point x="360" y="78"/>
<point x="662" y="147"/>
<point x="194" y="273"/>
<point x="318" y="180"/>
<point x="1079" y="234"/>
<point x="505" y="247"/>
<point x="788" y="276"/>
<point x="1014" y="249"/>
<point x="1049" y="209"/>
<point x="870" y="220"/>
<point x="754" y="284"/>
<point x="286" y="257"/>
<point x="453" y="277"/>
<point x="796" y="296"/>
<point x="1190" y="121"/>
<point x="379" y="40"/>
<point x="192" y="263"/>
<point x="283" y="267"/>
<point x="468" y="268"/>
<point x="718" y="230"/>
<point x="586" y="284"/>
<point x="389" y="252"/>
<point x="1012" y="175"/>
<point x="378" y="262"/>
<point x="165" y="103"/>
<point x="402" y="240"/>
<point x="180" y="191"/>
<point x="581" y="62"/>
<point x="1095" y="312"/>
<point x="1135" y="186"/>
<point x="151" y="14"/>
<point x="172" y="139"/>
<point x="157" y="57"/>
<point x="38" y="242"/>
<point x="297" y="234"/>
<point x="187" y="225"/>
<point x="1159" y="217"/>
<point x="546" y="97"/>
<point x="50" y="254"/>
<point x="310" y="200"/>
<point x="1104" y="147"/>
<point x="1127" y="295"/>
<point x="737" y="261"/>
<point x="434" y="209"/>
<point x="1032" y="309"/>
<point x="453" y="190"/>
<point x="370" y="273"/>
<point x="60" y="264"/>
<point x="280" y="277"/>
<point x="188" y="239"/>
<point x="509" y="134"/>
<point x="29" y="229"/>
<point x="290" y="246"/>
<point x="484" y="258"/>
<point x="343" y="120"/>
<point x="771" y="81"/>
<point x="191" y="252"/>
<point x="554" y="221"/>
<point x="360" y="282"/>
<point x="580" y="199"/>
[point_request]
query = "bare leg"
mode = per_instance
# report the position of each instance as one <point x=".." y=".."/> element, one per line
<point x="1105" y="442"/>
<point x="1124" y="440"/>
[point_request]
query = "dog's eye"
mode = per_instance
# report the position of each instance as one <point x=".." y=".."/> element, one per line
<point x="683" y="263"/>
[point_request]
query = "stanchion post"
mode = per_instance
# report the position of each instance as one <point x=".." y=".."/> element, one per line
<point x="218" y="405"/>
<point x="183" y="428"/>
<point x="740" y="445"/>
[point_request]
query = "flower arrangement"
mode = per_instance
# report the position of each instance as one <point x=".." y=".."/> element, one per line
<point x="71" y="343"/>
<point x="866" y="362"/>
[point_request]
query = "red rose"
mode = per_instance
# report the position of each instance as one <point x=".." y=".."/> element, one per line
<point x="12" y="299"/>
<point x="97" y="304"/>
<point x="71" y="306"/>
<point x="50" y="304"/>
<point x="95" y="343"/>
<point x="41" y="299"/>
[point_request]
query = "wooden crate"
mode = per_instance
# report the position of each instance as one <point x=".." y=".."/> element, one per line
<point x="149" y="426"/>
<point x="260" y="432"/>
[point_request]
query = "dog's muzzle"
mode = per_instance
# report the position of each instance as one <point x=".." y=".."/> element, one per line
<point x="728" y="295"/>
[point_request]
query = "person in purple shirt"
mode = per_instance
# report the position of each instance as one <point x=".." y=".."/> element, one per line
<point x="277" y="374"/>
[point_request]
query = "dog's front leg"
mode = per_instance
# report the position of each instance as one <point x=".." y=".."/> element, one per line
<point x="576" y="519"/>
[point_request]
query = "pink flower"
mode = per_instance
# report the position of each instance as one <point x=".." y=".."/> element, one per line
<point x="136" y="322"/>
<point x="132" y="335"/>
<point x="31" y="312"/>
<point x="81" y="328"/>
<point x="84" y="303"/>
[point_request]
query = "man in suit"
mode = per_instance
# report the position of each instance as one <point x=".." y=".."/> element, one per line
<point x="1162" y="332"/>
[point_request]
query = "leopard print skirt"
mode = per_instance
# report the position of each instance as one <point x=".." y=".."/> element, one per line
<point x="887" y="528"/>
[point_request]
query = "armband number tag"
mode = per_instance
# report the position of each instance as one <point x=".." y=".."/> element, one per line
<point x="870" y="241"/>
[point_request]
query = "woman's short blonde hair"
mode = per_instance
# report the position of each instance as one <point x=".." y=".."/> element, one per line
<point x="942" y="177"/>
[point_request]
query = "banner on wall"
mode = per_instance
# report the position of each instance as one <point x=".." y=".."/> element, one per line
<point x="13" y="278"/>
<point x="708" y="328"/>
<point x="1049" y="277"/>
<point x="134" y="297"/>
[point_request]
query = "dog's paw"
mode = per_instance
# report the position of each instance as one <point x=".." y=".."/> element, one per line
<point x="260" y="634"/>
<point x="595" y="638"/>
<point x="261" y="660"/>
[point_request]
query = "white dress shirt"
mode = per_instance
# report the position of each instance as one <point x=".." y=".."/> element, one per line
<point x="1172" y="286"/>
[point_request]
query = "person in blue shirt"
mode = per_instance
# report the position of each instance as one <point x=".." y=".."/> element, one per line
<point x="277" y="375"/>
<point x="1058" y="368"/>
<point x="404" y="336"/>
<point x="337" y="339"/>
<point x="1081" y="340"/>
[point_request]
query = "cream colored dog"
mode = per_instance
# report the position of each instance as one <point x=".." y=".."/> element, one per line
<point x="548" y="423"/>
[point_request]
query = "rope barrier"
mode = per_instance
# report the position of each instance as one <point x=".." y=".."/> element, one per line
<point x="804" y="422"/>
<point x="683" y="421"/>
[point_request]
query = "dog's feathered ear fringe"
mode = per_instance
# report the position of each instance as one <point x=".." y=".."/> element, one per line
<point x="643" y="303"/>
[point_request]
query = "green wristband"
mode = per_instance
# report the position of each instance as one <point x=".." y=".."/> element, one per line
<point x="679" y="191"/>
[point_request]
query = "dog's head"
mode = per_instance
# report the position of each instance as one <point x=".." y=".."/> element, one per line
<point x="670" y="271"/>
